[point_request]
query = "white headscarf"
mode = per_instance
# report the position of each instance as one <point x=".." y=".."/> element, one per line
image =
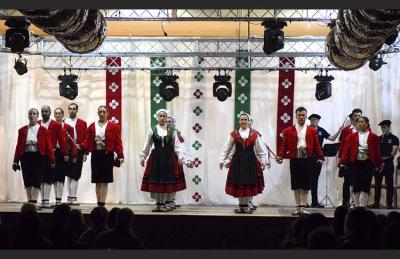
<point x="162" y="110"/>
<point x="248" y="115"/>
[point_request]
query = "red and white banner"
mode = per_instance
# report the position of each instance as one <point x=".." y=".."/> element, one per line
<point x="114" y="90"/>
<point x="285" y="98"/>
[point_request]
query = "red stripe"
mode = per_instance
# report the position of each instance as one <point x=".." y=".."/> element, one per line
<point x="285" y="90"/>
<point x="114" y="78"/>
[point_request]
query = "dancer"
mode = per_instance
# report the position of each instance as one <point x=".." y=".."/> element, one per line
<point x="33" y="150"/>
<point x="245" y="175"/>
<point x="103" y="139"/>
<point x="74" y="170"/>
<point x="300" y="144"/>
<point x="61" y="166"/>
<point x="163" y="172"/>
<point x="361" y="154"/>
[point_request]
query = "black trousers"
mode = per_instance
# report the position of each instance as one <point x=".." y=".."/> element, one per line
<point x="387" y="172"/>
<point x="346" y="186"/>
<point x="315" y="172"/>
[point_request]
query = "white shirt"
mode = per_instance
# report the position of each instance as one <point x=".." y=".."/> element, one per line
<point x="32" y="133"/>
<point x="301" y="135"/>
<point x="229" y="148"/>
<point x="101" y="129"/>
<point x="352" y="128"/>
<point x="72" y="123"/>
<point x="45" y="124"/>
<point x="162" y="132"/>
<point x="62" y="126"/>
<point x="362" y="140"/>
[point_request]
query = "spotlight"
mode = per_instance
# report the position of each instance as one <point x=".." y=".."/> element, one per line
<point x="20" y="65"/>
<point x="273" y="35"/>
<point x="169" y="88"/>
<point x="68" y="86"/>
<point x="17" y="37"/>
<point x="324" y="87"/>
<point x="376" y="63"/>
<point x="222" y="88"/>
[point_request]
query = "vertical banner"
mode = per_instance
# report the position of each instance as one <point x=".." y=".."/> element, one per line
<point x="242" y="88"/>
<point x="157" y="102"/>
<point x="196" y="182"/>
<point x="285" y="98"/>
<point x="114" y="90"/>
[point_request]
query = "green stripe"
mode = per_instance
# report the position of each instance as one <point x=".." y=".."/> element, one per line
<point x="154" y="78"/>
<point x="242" y="88"/>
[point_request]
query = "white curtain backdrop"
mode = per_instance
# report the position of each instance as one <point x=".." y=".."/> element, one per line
<point x="376" y="93"/>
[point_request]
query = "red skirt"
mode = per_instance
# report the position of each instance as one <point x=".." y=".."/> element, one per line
<point x="161" y="176"/>
<point x="246" y="189"/>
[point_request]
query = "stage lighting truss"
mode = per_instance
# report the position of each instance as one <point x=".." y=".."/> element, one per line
<point x="222" y="87"/>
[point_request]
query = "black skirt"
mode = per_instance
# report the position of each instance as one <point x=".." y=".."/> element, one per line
<point x="32" y="166"/>
<point x="362" y="172"/>
<point x="102" y="163"/>
<point x="300" y="173"/>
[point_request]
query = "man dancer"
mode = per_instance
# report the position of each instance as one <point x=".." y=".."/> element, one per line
<point x="316" y="169"/>
<point x="61" y="167"/>
<point x="300" y="144"/>
<point x="74" y="170"/>
<point x="348" y="130"/>
<point x="59" y="145"/>
<point x="389" y="147"/>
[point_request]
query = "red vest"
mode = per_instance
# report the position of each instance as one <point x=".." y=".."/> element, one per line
<point x="289" y="144"/>
<point x="343" y="136"/>
<point x="350" y="149"/>
<point x="80" y="127"/>
<point x="113" y="139"/>
<point x="56" y="134"/>
<point x="68" y="130"/>
<point x="44" y="143"/>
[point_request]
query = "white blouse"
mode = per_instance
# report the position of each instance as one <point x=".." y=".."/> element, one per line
<point x="101" y="129"/>
<point x="32" y="134"/>
<point x="362" y="140"/>
<point x="72" y="123"/>
<point x="230" y="148"/>
<point x="162" y="132"/>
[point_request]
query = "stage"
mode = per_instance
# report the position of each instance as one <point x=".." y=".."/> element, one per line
<point x="198" y="227"/>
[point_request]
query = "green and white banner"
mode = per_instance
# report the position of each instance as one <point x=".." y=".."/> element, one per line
<point x="157" y="102"/>
<point x="242" y="88"/>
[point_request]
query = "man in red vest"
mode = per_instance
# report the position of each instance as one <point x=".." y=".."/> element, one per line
<point x="74" y="171"/>
<point x="300" y="144"/>
<point x="347" y="183"/>
<point x="59" y="145"/>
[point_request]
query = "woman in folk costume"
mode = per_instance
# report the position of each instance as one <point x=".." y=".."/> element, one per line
<point x="362" y="154"/>
<point x="33" y="146"/>
<point x="61" y="168"/>
<point x="163" y="173"/>
<point x="245" y="176"/>
<point x="103" y="139"/>
<point x="171" y="122"/>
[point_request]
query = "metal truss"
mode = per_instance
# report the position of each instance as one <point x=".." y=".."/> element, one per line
<point x="188" y="54"/>
<point x="316" y="15"/>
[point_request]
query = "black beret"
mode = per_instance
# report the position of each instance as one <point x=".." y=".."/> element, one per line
<point x="385" y="123"/>
<point x="314" y="116"/>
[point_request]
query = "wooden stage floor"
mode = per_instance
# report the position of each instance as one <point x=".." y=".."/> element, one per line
<point x="190" y="210"/>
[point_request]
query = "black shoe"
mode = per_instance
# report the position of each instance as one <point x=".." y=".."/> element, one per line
<point x="389" y="207"/>
<point x="252" y="206"/>
<point x="374" y="206"/>
<point x="345" y="204"/>
<point x="244" y="210"/>
<point x="307" y="206"/>
<point x="160" y="208"/>
<point x="317" y="205"/>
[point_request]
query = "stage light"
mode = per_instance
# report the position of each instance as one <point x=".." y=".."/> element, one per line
<point x="324" y="87"/>
<point x="17" y="37"/>
<point x="169" y="88"/>
<point x="274" y="37"/>
<point x="376" y="63"/>
<point x="222" y="88"/>
<point x="20" y="65"/>
<point x="68" y="86"/>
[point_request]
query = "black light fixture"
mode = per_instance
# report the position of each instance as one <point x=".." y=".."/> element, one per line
<point x="375" y="63"/>
<point x="68" y="86"/>
<point x="169" y="88"/>
<point x="274" y="37"/>
<point x="17" y="37"/>
<point x="222" y="88"/>
<point x="324" y="87"/>
<point x="20" y="65"/>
